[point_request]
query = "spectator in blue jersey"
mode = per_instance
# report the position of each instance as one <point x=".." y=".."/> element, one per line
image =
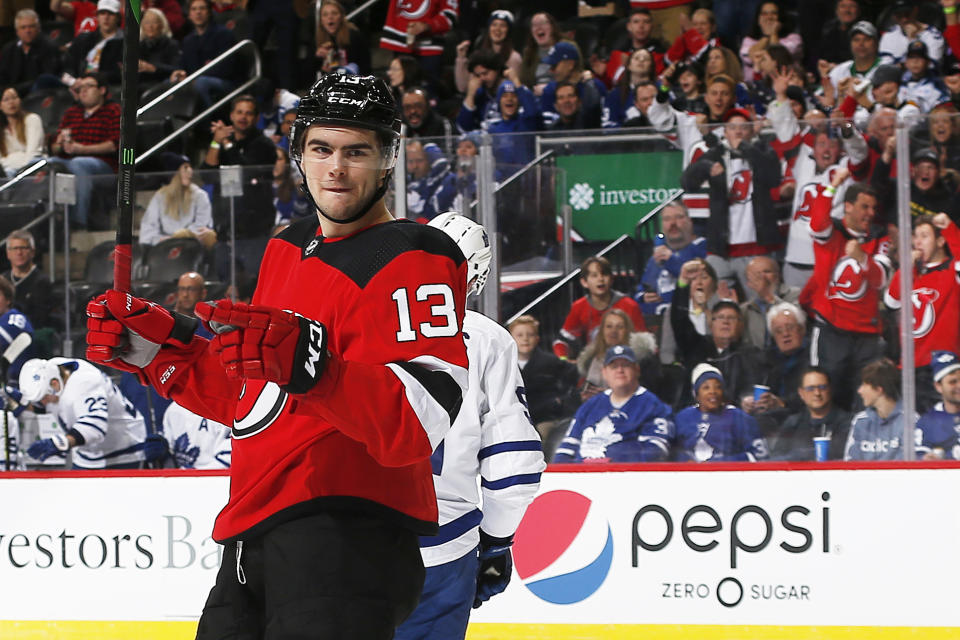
<point x="920" y="84"/>
<point x="877" y="432"/>
<point x="939" y="428"/>
<point x="674" y="247"/>
<point x="519" y="113"/>
<point x="626" y="423"/>
<point x="12" y="324"/>
<point x="819" y="417"/>
<point x="713" y="431"/>
<point x="566" y="66"/>
<point x="480" y="106"/>
<point x="431" y="186"/>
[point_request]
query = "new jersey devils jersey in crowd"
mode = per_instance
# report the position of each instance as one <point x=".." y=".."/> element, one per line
<point x="842" y="291"/>
<point x="493" y="438"/>
<point x="439" y="14"/>
<point x="936" y="300"/>
<point x="729" y="436"/>
<point x="392" y="298"/>
<point x="939" y="429"/>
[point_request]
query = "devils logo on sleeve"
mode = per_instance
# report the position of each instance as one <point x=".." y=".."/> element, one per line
<point x="924" y="313"/>
<point x="848" y="280"/>
<point x="413" y="10"/>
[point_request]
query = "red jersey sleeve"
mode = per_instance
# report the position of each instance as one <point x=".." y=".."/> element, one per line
<point x="445" y="18"/>
<point x="821" y="225"/>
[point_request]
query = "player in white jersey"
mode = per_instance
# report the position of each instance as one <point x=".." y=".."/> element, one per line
<point x="102" y="428"/>
<point x="196" y="442"/>
<point x="469" y="560"/>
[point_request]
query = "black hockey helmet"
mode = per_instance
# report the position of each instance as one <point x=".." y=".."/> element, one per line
<point x="349" y="101"/>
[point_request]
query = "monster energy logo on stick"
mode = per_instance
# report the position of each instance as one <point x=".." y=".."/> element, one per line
<point x="135" y="7"/>
<point x="127" y="156"/>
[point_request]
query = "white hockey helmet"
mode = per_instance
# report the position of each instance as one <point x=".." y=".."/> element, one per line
<point x="473" y="242"/>
<point x="36" y="376"/>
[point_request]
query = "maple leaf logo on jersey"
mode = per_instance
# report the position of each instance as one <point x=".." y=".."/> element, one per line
<point x="924" y="315"/>
<point x="742" y="187"/>
<point x="848" y="281"/>
<point x="596" y="439"/>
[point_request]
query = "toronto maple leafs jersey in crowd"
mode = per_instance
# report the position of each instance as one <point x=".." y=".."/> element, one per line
<point x="196" y="442"/>
<point x="873" y="437"/>
<point x="939" y="429"/>
<point x="112" y="429"/>
<point x="729" y="436"/>
<point x="639" y="430"/>
<point x="12" y="324"/>
<point x="492" y="438"/>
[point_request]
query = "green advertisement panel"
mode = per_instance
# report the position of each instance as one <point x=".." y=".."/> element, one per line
<point x="610" y="193"/>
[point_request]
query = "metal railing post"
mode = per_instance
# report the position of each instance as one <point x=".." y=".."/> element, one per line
<point x="904" y="220"/>
<point x="400" y="176"/>
<point x="489" y="303"/>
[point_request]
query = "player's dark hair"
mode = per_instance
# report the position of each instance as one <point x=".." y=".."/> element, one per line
<point x="883" y="375"/>
<point x="602" y="263"/>
<point x="855" y="189"/>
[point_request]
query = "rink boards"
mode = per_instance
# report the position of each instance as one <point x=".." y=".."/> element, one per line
<point x="652" y="551"/>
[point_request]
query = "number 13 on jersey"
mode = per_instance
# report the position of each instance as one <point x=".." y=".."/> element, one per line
<point x="443" y="314"/>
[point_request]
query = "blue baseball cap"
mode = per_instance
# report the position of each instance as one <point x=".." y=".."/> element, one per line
<point x="619" y="352"/>
<point x="943" y="363"/>
<point x="561" y="51"/>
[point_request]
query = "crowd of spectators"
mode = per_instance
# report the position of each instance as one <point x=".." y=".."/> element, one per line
<point x="764" y="315"/>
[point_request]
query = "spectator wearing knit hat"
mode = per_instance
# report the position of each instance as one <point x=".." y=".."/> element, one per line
<point x="940" y="426"/>
<point x="712" y="430"/>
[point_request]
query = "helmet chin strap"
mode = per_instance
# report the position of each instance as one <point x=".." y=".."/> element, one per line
<point x="377" y="195"/>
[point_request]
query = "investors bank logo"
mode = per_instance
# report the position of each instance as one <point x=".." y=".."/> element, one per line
<point x="563" y="549"/>
<point x="581" y="196"/>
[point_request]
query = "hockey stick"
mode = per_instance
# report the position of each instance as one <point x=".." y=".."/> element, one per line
<point x="123" y="251"/>
<point x="12" y="352"/>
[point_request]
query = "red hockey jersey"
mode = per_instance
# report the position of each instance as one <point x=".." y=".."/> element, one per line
<point x="935" y="300"/>
<point x="584" y="318"/>
<point x="439" y="14"/>
<point x="392" y="298"/>
<point x="842" y="291"/>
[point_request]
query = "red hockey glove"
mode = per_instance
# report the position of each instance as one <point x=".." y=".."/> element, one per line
<point x="136" y="335"/>
<point x="255" y="341"/>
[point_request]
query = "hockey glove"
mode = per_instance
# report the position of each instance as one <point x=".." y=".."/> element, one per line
<point x="496" y="567"/>
<point x="14" y="404"/>
<point x="264" y="343"/>
<point x="136" y="335"/>
<point x="155" y="448"/>
<point x="43" y="449"/>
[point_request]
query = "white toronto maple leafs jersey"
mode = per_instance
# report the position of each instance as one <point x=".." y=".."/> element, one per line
<point x="196" y="442"/>
<point x="90" y="403"/>
<point x="492" y="439"/>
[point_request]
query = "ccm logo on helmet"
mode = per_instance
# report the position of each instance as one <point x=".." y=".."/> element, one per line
<point x="350" y="101"/>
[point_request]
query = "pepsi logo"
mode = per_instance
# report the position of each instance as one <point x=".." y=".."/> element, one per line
<point x="563" y="548"/>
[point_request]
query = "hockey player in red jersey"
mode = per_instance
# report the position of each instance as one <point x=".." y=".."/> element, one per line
<point x="339" y="380"/>
<point x="935" y="297"/>
<point x="850" y="270"/>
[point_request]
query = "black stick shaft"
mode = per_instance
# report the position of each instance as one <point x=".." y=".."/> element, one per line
<point x="129" y="99"/>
